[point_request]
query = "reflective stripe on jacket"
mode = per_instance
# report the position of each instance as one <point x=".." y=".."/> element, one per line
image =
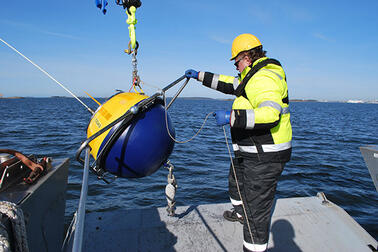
<point x="260" y="122"/>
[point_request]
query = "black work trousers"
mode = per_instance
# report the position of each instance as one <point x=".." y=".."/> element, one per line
<point x="257" y="182"/>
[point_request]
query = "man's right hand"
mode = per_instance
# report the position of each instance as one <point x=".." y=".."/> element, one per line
<point x="191" y="74"/>
<point x="222" y="117"/>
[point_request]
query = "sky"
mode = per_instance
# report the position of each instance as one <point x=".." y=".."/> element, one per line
<point x="329" y="49"/>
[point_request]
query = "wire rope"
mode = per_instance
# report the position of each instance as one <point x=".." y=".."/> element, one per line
<point x="169" y="133"/>
<point x="48" y="75"/>
<point x="237" y="185"/>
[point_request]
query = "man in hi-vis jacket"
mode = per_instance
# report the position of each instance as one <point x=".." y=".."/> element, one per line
<point x="260" y="131"/>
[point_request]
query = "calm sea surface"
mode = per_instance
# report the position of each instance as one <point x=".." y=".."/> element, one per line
<point x="326" y="156"/>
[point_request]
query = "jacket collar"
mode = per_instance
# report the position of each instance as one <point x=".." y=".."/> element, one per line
<point x="259" y="60"/>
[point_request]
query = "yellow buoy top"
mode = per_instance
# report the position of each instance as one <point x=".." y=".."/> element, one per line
<point x="109" y="111"/>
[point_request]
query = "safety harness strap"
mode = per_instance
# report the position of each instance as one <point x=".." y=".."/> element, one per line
<point x="240" y="90"/>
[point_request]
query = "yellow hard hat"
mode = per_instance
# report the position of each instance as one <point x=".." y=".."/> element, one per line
<point x="243" y="42"/>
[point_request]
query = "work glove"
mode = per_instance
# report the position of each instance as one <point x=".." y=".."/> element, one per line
<point x="101" y="4"/>
<point x="222" y="117"/>
<point x="191" y="74"/>
<point x="98" y="4"/>
<point x="104" y="4"/>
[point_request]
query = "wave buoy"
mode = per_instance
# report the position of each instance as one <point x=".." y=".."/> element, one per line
<point x="135" y="147"/>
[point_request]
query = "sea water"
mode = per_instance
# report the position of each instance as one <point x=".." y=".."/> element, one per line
<point x="325" y="158"/>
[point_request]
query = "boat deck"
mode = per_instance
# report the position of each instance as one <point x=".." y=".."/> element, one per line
<point x="298" y="224"/>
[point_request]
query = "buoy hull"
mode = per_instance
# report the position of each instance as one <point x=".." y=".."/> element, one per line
<point x="142" y="145"/>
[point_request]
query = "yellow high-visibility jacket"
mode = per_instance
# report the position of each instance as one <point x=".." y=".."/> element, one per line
<point x="260" y="117"/>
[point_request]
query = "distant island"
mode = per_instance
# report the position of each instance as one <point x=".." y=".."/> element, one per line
<point x="303" y="100"/>
<point x="11" y="97"/>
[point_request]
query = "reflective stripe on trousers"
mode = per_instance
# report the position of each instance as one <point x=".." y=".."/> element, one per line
<point x="255" y="247"/>
<point x="265" y="147"/>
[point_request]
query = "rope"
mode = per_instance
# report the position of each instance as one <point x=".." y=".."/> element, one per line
<point x="16" y="217"/>
<point x="237" y="184"/>
<point x="4" y="239"/>
<point x="69" y="233"/>
<point x="48" y="75"/>
<point x="169" y="133"/>
<point x="150" y="85"/>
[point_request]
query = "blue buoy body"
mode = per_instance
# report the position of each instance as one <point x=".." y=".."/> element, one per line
<point x="143" y="146"/>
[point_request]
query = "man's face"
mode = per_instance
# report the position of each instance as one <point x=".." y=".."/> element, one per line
<point x="241" y="62"/>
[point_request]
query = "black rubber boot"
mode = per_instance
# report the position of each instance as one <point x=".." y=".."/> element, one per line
<point x="232" y="216"/>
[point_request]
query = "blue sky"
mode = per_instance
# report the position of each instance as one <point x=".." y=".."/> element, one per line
<point x="329" y="49"/>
